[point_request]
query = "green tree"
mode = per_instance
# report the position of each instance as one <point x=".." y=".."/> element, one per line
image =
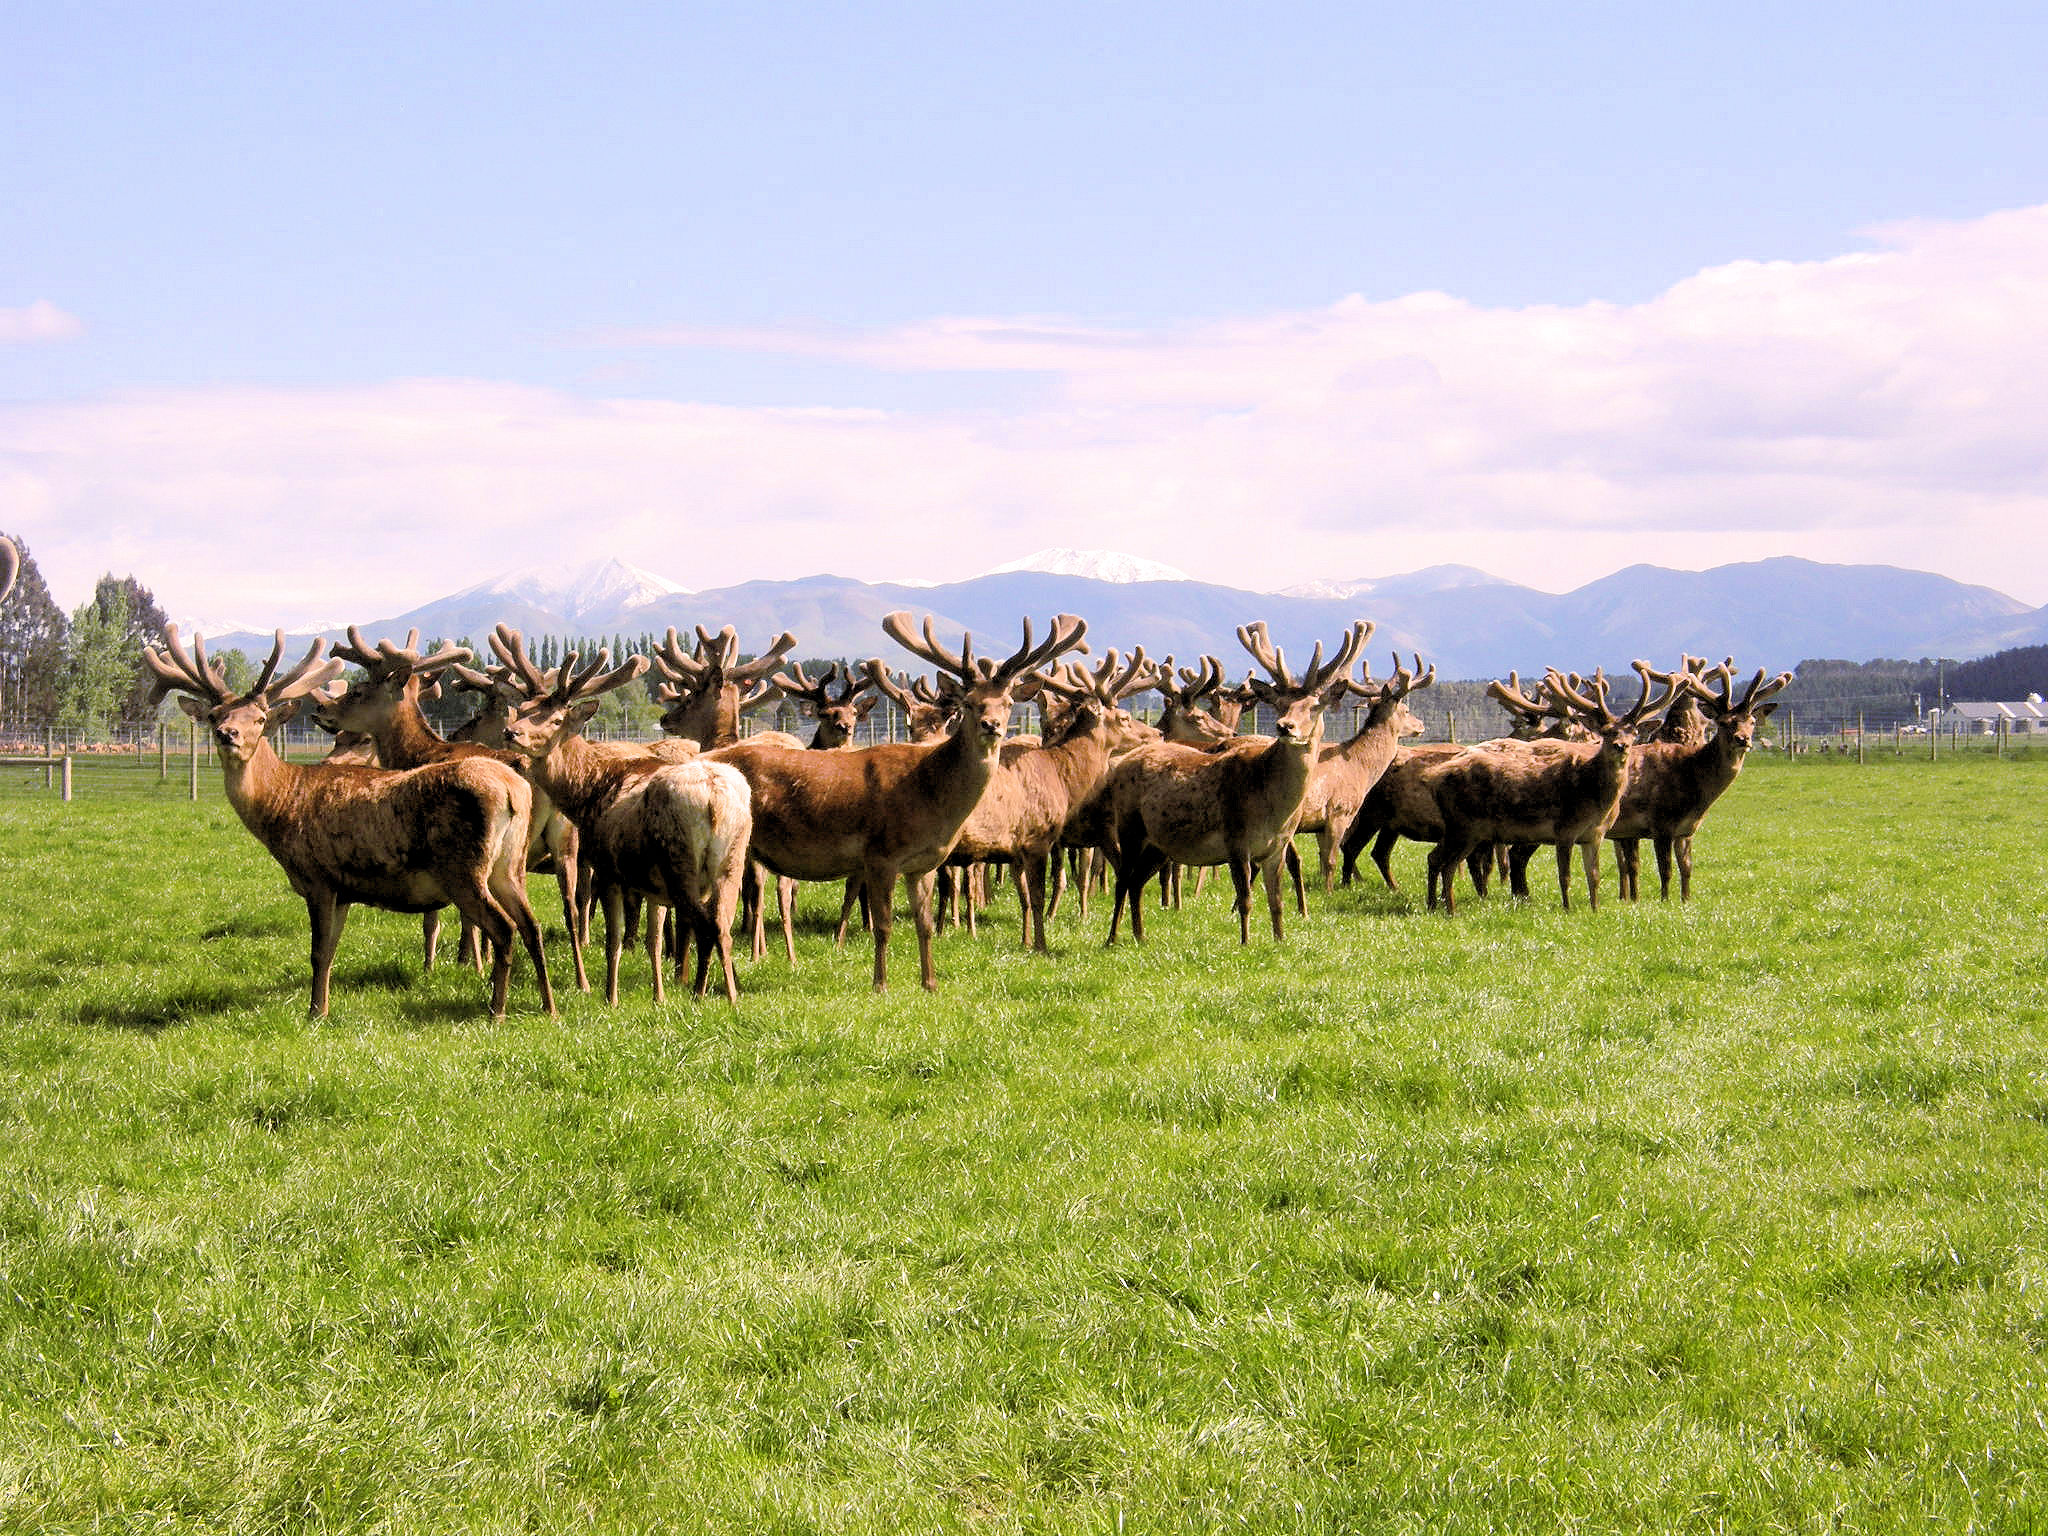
<point x="145" y="626"/>
<point x="99" y="666"/>
<point x="32" y="636"/>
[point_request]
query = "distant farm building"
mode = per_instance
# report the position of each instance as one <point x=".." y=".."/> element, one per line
<point x="2027" y="717"/>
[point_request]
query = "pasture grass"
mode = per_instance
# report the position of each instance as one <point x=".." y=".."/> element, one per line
<point x="1724" y="1217"/>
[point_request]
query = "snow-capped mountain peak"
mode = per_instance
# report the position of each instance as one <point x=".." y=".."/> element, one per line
<point x="1096" y="564"/>
<point x="602" y="585"/>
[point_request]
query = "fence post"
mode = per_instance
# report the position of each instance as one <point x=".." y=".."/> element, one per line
<point x="194" y="763"/>
<point x="1451" y="724"/>
<point x="163" y="753"/>
<point x="67" y="778"/>
<point x="1859" y="738"/>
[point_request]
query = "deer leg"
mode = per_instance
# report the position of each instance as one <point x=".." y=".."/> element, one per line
<point x="657" y="927"/>
<point x="481" y="908"/>
<point x="1270" y="873"/>
<point x="508" y="889"/>
<point x="751" y="916"/>
<point x="1564" y="873"/>
<point x="1684" y="850"/>
<point x="430" y="937"/>
<point x="724" y="898"/>
<point x="854" y="893"/>
<point x="1479" y="864"/>
<point x="614" y="939"/>
<point x="921" y="915"/>
<point x="327" y="917"/>
<point x="1518" y="869"/>
<point x="1291" y="856"/>
<point x="1383" y="856"/>
<point x="883" y="911"/>
<point x="1326" y="852"/>
<point x="1241" y="882"/>
<point x="785" y="902"/>
<point x="1591" y="853"/>
<point x="1444" y="860"/>
<point x="973" y="880"/>
<point x="1201" y="880"/>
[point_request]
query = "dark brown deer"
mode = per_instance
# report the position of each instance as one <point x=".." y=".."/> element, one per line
<point x="895" y="809"/>
<point x="1672" y="786"/>
<point x="406" y="840"/>
<point x="1562" y="793"/>
<point x="673" y="833"/>
<point x="1234" y="805"/>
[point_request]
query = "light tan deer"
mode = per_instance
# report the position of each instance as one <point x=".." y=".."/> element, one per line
<point x="384" y="704"/>
<point x="673" y="833"/>
<point x="1035" y="789"/>
<point x="1235" y="805"/>
<point x="895" y="809"/>
<point x="1345" y="772"/>
<point x="406" y="840"/>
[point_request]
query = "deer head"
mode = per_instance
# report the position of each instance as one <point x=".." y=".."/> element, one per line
<point x="982" y="688"/>
<point x="1735" y="720"/>
<point x="237" y="721"/>
<point x="1387" y="702"/>
<point x="1616" y="733"/>
<point x="705" y="694"/>
<point x="1096" y="698"/>
<point x="391" y="675"/>
<point x="838" y="716"/>
<point x="1183" y="718"/>
<point x="1298" y="703"/>
<point x="924" y="711"/>
<point x="542" y="708"/>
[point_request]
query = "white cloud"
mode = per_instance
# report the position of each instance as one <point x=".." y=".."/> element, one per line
<point x="1886" y="405"/>
<point x="40" y="321"/>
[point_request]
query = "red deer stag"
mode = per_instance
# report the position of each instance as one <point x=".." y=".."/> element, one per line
<point x="706" y="693"/>
<point x="895" y="809"/>
<point x="384" y="704"/>
<point x="1564" y="793"/>
<point x="405" y="840"/>
<point x="1236" y="804"/>
<point x="673" y="833"/>
<point x="1345" y="772"/>
<point x="1672" y="787"/>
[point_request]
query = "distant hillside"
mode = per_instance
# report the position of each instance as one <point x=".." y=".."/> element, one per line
<point x="1771" y="613"/>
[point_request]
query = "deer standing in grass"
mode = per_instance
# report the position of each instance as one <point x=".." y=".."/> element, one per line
<point x="675" y="834"/>
<point x="384" y="704"/>
<point x="410" y="840"/>
<point x="894" y="809"/>
<point x="1035" y="789"/>
<point x="1345" y="772"/>
<point x="1672" y="786"/>
<point x="1235" y="805"/>
<point x="1562" y="793"/>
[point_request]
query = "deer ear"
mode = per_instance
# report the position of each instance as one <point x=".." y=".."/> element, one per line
<point x="580" y="714"/>
<point x="198" y="709"/>
<point x="1765" y="711"/>
<point x="1333" y="695"/>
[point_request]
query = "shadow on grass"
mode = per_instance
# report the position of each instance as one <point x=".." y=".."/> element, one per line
<point x="249" y="927"/>
<point x="153" y="1014"/>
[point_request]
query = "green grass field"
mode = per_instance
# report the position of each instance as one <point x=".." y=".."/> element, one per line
<point x="1720" y="1218"/>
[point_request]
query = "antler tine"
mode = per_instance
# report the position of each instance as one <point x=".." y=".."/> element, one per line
<point x="510" y="647"/>
<point x="922" y="690"/>
<point x="677" y="664"/>
<point x="573" y="686"/>
<point x="884" y="684"/>
<point x="1066" y="634"/>
<point x="1645" y="706"/>
<point x="718" y="651"/>
<point x="1254" y="638"/>
<point x="269" y="666"/>
<point x="358" y="652"/>
<point x="1319" y="676"/>
<point x="310" y="674"/>
<point x="799" y="684"/>
<point x="897" y="627"/>
<point x="1567" y="691"/>
<point x="757" y="669"/>
<point x="180" y="674"/>
<point x="442" y="659"/>
<point x="1136" y="676"/>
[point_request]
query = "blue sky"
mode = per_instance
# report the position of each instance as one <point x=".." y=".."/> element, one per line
<point x="559" y="282"/>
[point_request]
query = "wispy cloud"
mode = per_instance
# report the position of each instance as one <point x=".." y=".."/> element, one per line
<point x="40" y="321"/>
<point x="1885" y="405"/>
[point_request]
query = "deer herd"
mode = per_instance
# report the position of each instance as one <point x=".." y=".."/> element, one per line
<point x="677" y="835"/>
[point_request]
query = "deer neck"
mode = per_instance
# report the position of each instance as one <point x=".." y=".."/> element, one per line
<point x="405" y="740"/>
<point x="1372" y="746"/>
<point x="576" y="776"/>
<point x="261" y="788"/>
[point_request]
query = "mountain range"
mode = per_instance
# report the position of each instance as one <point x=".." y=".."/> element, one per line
<point x="1773" y="613"/>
